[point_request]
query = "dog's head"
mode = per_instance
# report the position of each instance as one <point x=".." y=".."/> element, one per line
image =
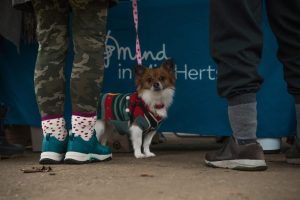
<point x="155" y="79"/>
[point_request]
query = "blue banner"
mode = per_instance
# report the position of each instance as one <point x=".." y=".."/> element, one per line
<point x="169" y="28"/>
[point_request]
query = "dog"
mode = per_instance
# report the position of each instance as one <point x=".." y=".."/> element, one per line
<point x="139" y="113"/>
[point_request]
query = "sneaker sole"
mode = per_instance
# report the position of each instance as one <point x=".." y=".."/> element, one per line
<point x="295" y="161"/>
<point x="51" y="158"/>
<point x="81" y="158"/>
<point x="243" y="164"/>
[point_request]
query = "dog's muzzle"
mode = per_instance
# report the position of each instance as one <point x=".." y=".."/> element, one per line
<point x="156" y="86"/>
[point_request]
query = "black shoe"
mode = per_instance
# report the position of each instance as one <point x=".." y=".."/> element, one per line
<point x="247" y="157"/>
<point x="293" y="154"/>
<point x="8" y="150"/>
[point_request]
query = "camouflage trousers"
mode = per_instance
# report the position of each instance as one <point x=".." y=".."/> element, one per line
<point x="88" y="32"/>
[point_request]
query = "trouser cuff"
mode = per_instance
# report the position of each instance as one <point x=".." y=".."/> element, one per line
<point x="242" y="99"/>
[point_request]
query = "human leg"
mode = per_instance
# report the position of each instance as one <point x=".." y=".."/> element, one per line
<point x="235" y="45"/>
<point x="89" y="31"/>
<point x="52" y="19"/>
<point x="286" y="27"/>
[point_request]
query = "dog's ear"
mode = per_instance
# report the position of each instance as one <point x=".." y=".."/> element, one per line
<point x="139" y="70"/>
<point x="169" y="65"/>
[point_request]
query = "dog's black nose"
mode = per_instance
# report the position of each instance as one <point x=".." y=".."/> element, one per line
<point x="156" y="85"/>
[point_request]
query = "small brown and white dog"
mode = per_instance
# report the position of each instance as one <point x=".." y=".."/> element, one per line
<point x="140" y="113"/>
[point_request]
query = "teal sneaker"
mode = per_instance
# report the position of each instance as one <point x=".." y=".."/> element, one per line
<point x="81" y="151"/>
<point x="53" y="150"/>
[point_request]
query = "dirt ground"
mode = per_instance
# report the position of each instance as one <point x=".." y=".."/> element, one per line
<point x="177" y="172"/>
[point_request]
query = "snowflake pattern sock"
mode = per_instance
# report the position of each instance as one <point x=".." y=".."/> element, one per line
<point x="83" y="125"/>
<point x="55" y="126"/>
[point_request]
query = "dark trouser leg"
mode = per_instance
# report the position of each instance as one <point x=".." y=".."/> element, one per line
<point x="286" y="27"/>
<point x="284" y="18"/>
<point x="89" y="32"/>
<point x="236" y="44"/>
<point x="52" y="19"/>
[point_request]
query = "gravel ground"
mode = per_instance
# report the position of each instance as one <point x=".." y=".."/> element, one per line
<point x="177" y="172"/>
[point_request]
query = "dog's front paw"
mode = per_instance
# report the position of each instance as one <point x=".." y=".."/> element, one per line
<point x="139" y="155"/>
<point x="149" y="154"/>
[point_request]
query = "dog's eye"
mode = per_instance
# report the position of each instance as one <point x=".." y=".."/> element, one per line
<point x="149" y="80"/>
<point x="162" y="78"/>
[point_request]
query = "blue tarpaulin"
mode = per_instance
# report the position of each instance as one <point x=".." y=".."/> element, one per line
<point x="169" y="28"/>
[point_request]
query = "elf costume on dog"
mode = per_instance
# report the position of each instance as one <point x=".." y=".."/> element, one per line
<point x="124" y="109"/>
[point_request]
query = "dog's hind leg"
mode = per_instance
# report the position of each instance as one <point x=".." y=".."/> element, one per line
<point x="136" y="135"/>
<point x="100" y="131"/>
<point x="147" y="141"/>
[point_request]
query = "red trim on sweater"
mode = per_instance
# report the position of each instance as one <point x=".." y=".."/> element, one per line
<point x="107" y="106"/>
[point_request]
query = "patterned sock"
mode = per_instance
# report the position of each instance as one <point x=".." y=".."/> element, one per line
<point x="55" y="126"/>
<point x="83" y="125"/>
<point x="243" y="117"/>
